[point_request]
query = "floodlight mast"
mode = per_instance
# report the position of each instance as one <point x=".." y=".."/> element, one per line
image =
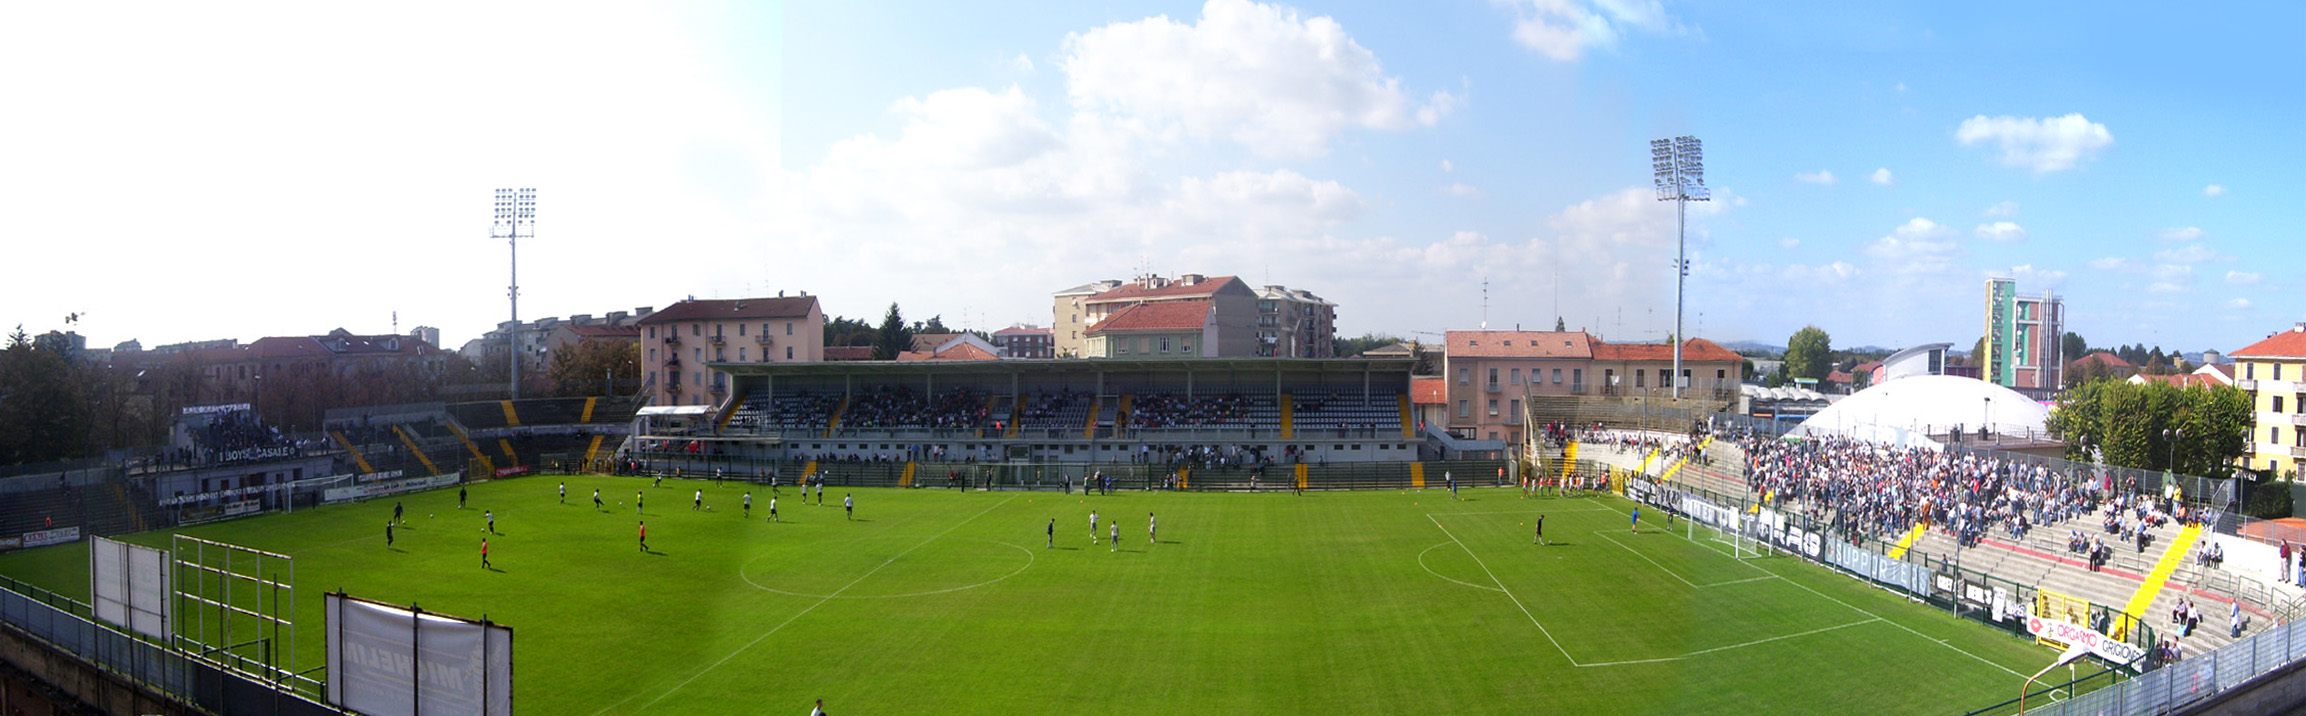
<point x="515" y="218"/>
<point x="1678" y="166"/>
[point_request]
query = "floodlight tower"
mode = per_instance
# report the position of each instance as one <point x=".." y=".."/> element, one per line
<point x="1678" y="166"/>
<point x="515" y="218"/>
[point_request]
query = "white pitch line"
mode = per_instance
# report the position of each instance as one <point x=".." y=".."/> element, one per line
<point x="1429" y="570"/>
<point x="804" y="612"/>
<point x="1518" y="512"/>
<point x="1742" y="581"/>
<point x="1508" y="592"/>
<point x="1925" y="637"/>
<point x="1629" y="548"/>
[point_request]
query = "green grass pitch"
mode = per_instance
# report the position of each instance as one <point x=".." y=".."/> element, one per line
<point x="936" y="601"/>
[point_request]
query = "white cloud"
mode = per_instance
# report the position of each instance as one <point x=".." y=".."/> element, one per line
<point x="1278" y="83"/>
<point x="2003" y="209"/>
<point x="2243" y="278"/>
<point x="1447" y="167"/>
<point x="1820" y="176"/>
<point x="1789" y="243"/>
<point x="2238" y="304"/>
<point x="2187" y="254"/>
<point x="1881" y="176"/>
<point x="1021" y="63"/>
<point x="1458" y="188"/>
<point x="1835" y="272"/>
<point x="2214" y="190"/>
<point x="1918" y="247"/>
<point x="2001" y="232"/>
<point x="2041" y="144"/>
<point x="2109" y="263"/>
<point x="2183" y="233"/>
<point x="1562" y="30"/>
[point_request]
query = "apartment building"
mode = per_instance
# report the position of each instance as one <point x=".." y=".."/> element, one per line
<point x="679" y="342"/>
<point x="2273" y="372"/>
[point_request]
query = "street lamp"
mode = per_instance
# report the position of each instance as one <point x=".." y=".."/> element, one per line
<point x="2172" y="436"/>
<point x="515" y="218"/>
<point x="1986" y="420"/>
<point x="1677" y="168"/>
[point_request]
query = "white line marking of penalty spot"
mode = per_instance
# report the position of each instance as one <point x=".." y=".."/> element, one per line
<point x="1508" y="593"/>
<point x="804" y="612"/>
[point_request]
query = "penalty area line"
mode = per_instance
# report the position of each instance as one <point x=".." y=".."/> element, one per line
<point x="1508" y="592"/>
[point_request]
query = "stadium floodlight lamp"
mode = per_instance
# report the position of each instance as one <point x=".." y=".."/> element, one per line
<point x="1677" y="169"/>
<point x="515" y="217"/>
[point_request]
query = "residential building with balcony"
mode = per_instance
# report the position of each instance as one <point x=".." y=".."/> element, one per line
<point x="1234" y="312"/>
<point x="1491" y="374"/>
<point x="2273" y="373"/>
<point x="1165" y="329"/>
<point x="1022" y="341"/>
<point x="1294" y="323"/>
<point x="681" y="341"/>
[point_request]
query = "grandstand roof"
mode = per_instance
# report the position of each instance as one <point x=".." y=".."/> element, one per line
<point x="1429" y="391"/>
<point x="2290" y="343"/>
<point x="1907" y="411"/>
<point x="733" y="309"/>
<point x="1145" y="291"/>
<point x="1520" y="344"/>
<point x="1157" y="316"/>
<point x="1692" y="350"/>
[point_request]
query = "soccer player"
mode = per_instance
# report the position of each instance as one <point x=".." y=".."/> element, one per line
<point x="387" y="534"/>
<point x="490" y="515"/>
<point x="1052" y="534"/>
<point x="1452" y="484"/>
<point x="1092" y="527"/>
<point x="644" y="535"/>
<point x="564" y="493"/>
<point x="660" y="481"/>
<point x="849" y="503"/>
<point x="1150" y="526"/>
<point x="460" y="497"/>
<point x="717" y="477"/>
<point x="819" y="710"/>
<point x="700" y="501"/>
<point x="748" y="505"/>
<point x="1637" y="519"/>
<point x="396" y="512"/>
<point x="596" y="499"/>
<point x="484" y="553"/>
<point x="1540" y="538"/>
<point x="1116" y="527"/>
<point x="637" y="506"/>
<point x="773" y="509"/>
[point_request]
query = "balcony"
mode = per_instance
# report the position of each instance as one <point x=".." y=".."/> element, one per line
<point x="673" y="388"/>
<point x="2298" y="419"/>
<point x="714" y="338"/>
<point x="1491" y="387"/>
<point x="763" y="339"/>
<point x="2247" y="386"/>
<point x="2298" y="452"/>
<point x="673" y="340"/>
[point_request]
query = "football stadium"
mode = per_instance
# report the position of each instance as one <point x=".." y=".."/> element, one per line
<point x="1112" y="537"/>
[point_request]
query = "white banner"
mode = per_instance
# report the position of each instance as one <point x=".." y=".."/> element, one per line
<point x="44" y="538"/>
<point x="130" y="586"/>
<point x="2106" y="647"/>
<point x="386" y="660"/>
<point x="380" y="489"/>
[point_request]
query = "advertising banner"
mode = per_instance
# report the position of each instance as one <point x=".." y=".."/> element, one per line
<point x="2106" y="647"/>
<point x="387" y="660"/>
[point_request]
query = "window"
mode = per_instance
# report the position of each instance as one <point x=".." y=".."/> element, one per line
<point x="2274" y="435"/>
<point x="2249" y="371"/>
<point x="1185" y="348"/>
<point x="1464" y="408"/>
<point x="788" y="352"/>
<point x="1492" y="407"/>
<point x="1557" y="376"/>
<point x="740" y="349"/>
<point x="1124" y="347"/>
<point x="652" y="332"/>
<point x="2277" y="403"/>
<point x="1164" y="344"/>
<point x="788" y="328"/>
<point x="1515" y="410"/>
<point x="1720" y="377"/>
<point x="1493" y="376"/>
<point x="699" y="354"/>
<point x="740" y="330"/>
<point x="1577" y="377"/>
<point x="1516" y="378"/>
<point x="1464" y="376"/>
<point x="652" y="355"/>
<point x="1640" y="379"/>
<point x="696" y="329"/>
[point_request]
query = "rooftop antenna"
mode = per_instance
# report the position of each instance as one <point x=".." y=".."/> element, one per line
<point x="1485" y="302"/>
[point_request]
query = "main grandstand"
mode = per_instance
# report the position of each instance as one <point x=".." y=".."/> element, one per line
<point x="1212" y="423"/>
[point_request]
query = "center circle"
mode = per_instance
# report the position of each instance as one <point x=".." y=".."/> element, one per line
<point x="941" y="567"/>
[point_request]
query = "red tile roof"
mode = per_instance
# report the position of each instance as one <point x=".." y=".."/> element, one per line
<point x="959" y="351"/>
<point x="1429" y="391"/>
<point x="1139" y="292"/>
<point x="732" y="309"/>
<point x="848" y="352"/>
<point x="1520" y="344"/>
<point x="1157" y="316"/>
<point x="2180" y="380"/>
<point x="2290" y="343"/>
<point x="1022" y="331"/>
<point x="1695" y="350"/>
<point x="2106" y="358"/>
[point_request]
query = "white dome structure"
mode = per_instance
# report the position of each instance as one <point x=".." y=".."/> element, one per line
<point x="1907" y="411"/>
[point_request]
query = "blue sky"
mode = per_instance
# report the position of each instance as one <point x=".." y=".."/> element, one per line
<point x="291" y="169"/>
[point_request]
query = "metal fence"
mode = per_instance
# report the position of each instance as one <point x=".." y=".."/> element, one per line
<point x="2183" y="683"/>
<point x="64" y="624"/>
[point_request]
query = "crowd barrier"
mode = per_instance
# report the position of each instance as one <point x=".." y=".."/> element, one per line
<point x="64" y="625"/>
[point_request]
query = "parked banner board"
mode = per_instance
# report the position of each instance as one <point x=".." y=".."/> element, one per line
<point x="44" y="538"/>
<point x="394" y="487"/>
<point x="388" y="660"/>
<point x="130" y="586"/>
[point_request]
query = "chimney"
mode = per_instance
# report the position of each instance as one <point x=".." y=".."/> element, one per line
<point x="1191" y="279"/>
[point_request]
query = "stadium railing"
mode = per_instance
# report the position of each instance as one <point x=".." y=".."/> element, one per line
<point x="66" y="626"/>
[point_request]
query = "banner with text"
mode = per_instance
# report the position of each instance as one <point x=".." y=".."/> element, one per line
<point x="384" y="659"/>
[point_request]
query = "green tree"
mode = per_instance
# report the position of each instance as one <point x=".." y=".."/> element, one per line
<point x="849" y="332"/>
<point x="1349" y="347"/>
<point x="894" y="337"/>
<point x="43" y="412"/>
<point x="2155" y="426"/>
<point x="2071" y="346"/>
<point x="1809" y="353"/>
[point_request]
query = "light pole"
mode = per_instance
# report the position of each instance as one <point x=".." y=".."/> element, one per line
<point x="1677" y="167"/>
<point x="515" y="218"/>
<point x="1986" y="419"/>
<point x="2172" y="436"/>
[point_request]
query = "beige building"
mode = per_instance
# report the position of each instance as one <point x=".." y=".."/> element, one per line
<point x="1491" y="374"/>
<point x="1162" y="329"/>
<point x="1294" y="323"/>
<point x="2273" y="372"/>
<point x="1235" y="314"/>
<point x="678" y="342"/>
